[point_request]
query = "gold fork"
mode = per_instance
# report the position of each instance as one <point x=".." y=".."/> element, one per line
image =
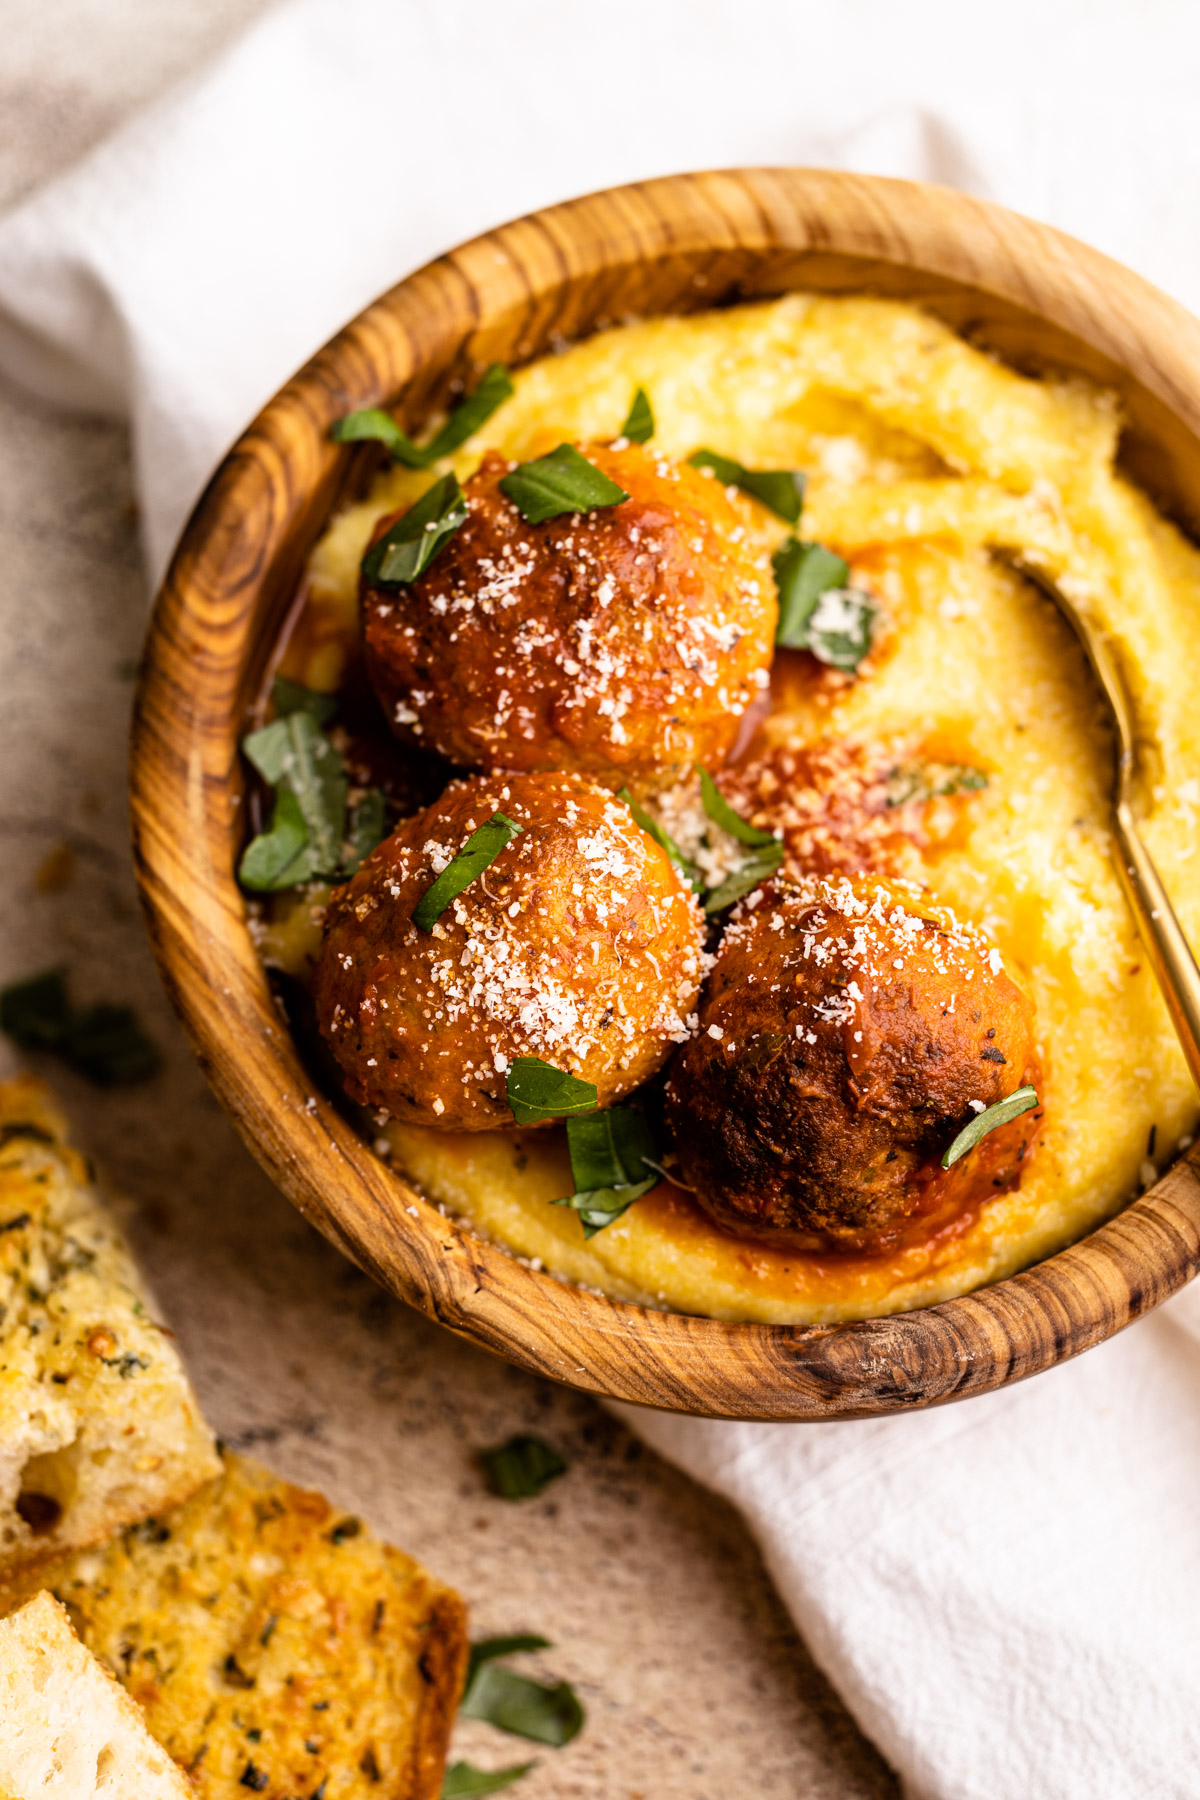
<point x="1166" y="947"/>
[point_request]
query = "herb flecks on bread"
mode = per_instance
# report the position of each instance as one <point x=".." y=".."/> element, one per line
<point x="98" y="1423"/>
<point x="68" y="1732"/>
<point x="275" y="1644"/>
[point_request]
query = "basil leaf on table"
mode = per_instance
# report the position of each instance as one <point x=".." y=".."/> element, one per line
<point x="408" y="547"/>
<point x="1002" y="1113"/>
<point x="514" y="1703"/>
<point x="292" y="753"/>
<point x="105" y="1042"/>
<point x="803" y="572"/>
<point x="488" y="1649"/>
<point x="721" y="813"/>
<point x="465" y="420"/>
<point x="782" y="490"/>
<point x="471" y="413"/>
<point x="662" y="838"/>
<point x="639" y="426"/>
<point x="478" y="853"/>
<point x="522" y="1467"/>
<point x="537" y="1091"/>
<point x="745" y="879"/>
<point x="465" y="1782"/>
<point x="562" y="482"/>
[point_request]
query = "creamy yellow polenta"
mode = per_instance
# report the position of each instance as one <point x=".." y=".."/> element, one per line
<point x="923" y="455"/>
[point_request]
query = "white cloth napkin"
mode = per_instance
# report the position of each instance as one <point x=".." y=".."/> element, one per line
<point x="1006" y="1592"/>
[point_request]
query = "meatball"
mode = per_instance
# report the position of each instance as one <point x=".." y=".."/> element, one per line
<point x="846" y="1035"/>
<point x="579" y="945"/>
<point x="626" y="642"/>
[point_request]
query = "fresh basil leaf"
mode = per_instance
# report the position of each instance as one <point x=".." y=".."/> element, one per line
<point x="609" y="1148"/>
<point x="293" y="753"/>
<point x="107" y="1044"/>
<point x="376" y="424"/>
<point x="289" y="697"/>
<point x="473" y="412"/>
<point x="803" y="572"/>
<point x="745" y="879"/>
<point x="36" y="1013"/>
<point x="283" y="855"/>
<point x="780" y="489"/>
<point x="367" y="828"/>
<point x="663" y="839"/>
<point x="562" y="482"/>
<point x="408" y="547"/>
<point x="537" y="1091"/>
<point x="841" y="627"/>
<point x="464" y="1782"/>
<point x="910" y="782"/>
<point x="639" y="426"/>
<point x="522" y="1467"/>
<point x="1002" y="1113"/>
<point x="721" y="813"/>
<point x="488" y="1649"/>
<point x="598" y="1207"/>
<point x="104" y="1042"/>
<point x="478" y="853"/>
<point x="528" y="1709"/>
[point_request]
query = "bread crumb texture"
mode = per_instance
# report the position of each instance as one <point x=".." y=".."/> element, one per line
<point x="69" y="1732"/>
<point x="98" y="1423"/>
<point x="274" y="1644"/>
<point x="924" y="456"/>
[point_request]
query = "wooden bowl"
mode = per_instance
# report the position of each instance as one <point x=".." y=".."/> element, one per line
<point x="1036" y="297"/>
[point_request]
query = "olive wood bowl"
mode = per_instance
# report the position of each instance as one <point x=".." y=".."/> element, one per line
<point x="1037" y="298"/>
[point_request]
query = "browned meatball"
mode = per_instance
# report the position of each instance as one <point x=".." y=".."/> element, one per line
<point x="579" y="945"/>
<point x="626" y="642"/>
<point x="846" y="1035"/>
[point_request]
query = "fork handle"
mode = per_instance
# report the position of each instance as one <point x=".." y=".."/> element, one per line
<point x="1162" y="935"/>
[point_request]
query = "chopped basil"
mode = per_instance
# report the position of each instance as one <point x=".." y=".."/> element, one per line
<point x="610" y="1165"/>
<point x="639" y="426"/>
<point x="463" y="423"/>
<point x="408" y="547"/>
<point x="292" y="754"/>
<point x="932" y="781"/>
<point x="528" y="1709"/>
<point x="562" y="482"/>
<point x="841" y="628"/>
<point x="104" y="1042"/>
<point x="282" y="856"/>
<point x="522" y="1467"/>
<point x="471" y="413"/>
<point x="652" y="828"/>
<point x="478" y="853"/>
<point x="367" y="828"/>
<point x="745" y="879"/>
<point x="376" y="424"/>
<point x="721" y="813"/>
<point x="464" y="1782"/>
<point x="1002" y="1113"/>
<point x="803" y="572"/>
<point x="289" y="697"/>
<point x="537" y="1091"/>
<point x="817" y="611"/>
<point x="780" y="489"/>
<point x="609" y="1148"/>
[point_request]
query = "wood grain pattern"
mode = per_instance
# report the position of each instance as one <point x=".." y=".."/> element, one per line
<point x="1035" y="296"/>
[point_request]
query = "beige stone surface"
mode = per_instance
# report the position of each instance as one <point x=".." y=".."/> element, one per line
<point x="650" y="1589"/>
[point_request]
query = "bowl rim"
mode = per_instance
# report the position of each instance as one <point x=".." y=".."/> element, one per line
<point x="278" y="482"/>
